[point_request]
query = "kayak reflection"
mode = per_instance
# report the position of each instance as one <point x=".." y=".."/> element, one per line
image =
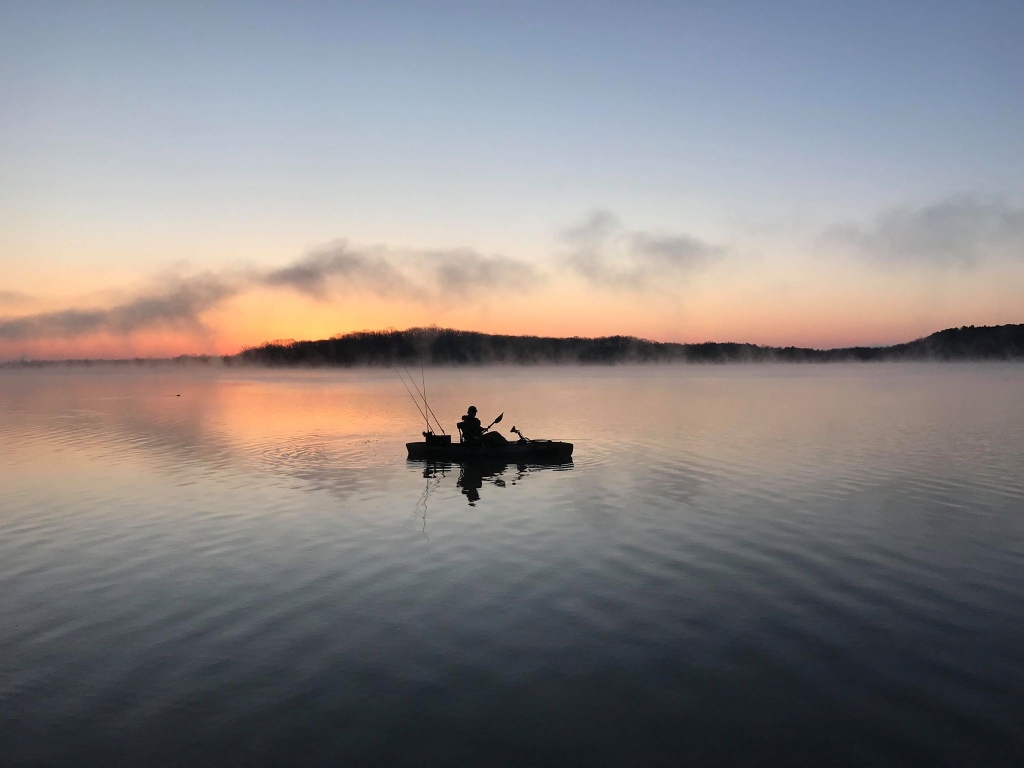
<point x="473" y="475"/>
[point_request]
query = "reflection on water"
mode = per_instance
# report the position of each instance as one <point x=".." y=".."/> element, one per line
<point x="473" y="475"/>
<point x="798" y="565"/>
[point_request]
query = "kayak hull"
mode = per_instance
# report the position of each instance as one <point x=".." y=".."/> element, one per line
<point x="544" y="451"/>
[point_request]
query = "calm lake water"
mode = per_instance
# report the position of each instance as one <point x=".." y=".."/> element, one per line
<point x="754" y="565"/>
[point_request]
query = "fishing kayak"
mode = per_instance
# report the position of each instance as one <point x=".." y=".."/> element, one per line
<point x="541" y="451"/>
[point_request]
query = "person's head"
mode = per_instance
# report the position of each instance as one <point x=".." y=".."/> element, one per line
<point x="471" y="410"/>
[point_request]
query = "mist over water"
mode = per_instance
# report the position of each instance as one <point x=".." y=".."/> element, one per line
<point x="791" y="565"/>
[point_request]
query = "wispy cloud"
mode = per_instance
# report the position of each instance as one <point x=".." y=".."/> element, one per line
<point x="178" y="305"/>
<point x="600" y="249"/>
<point x="423" y="275"/>
<point x="14" y="298"/>
<point x="335" y="269"/>
<point x="606" y="254"/>
<point x="464" y="268"/>
<point x="960" y="231"/>
<point x="338" y="266"/>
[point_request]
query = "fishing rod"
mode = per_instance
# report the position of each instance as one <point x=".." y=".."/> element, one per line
<point x="423" y="394"/>
<point x="423" y="378"/>
<point x="414" y="400"/>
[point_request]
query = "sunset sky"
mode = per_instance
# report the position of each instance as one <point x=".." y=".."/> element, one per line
<point x="183" y="177"/>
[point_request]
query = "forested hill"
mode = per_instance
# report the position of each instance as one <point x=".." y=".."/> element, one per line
<point x="450" y="347"/>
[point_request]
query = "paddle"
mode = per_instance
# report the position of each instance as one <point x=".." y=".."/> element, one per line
<point x="495" y="421"/>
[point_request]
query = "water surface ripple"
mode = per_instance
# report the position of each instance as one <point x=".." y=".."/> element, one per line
<point x="752" y="565"/>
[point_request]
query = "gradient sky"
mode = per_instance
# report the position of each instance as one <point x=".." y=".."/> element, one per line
<point x="182" y="177"/>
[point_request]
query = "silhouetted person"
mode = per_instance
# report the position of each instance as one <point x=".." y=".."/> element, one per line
<point x="470" y="426"/>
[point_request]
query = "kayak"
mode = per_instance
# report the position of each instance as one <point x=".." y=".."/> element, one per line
<point x="541" y="451"/>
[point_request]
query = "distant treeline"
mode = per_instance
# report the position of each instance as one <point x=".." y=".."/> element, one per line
<point x="442" y="346"/>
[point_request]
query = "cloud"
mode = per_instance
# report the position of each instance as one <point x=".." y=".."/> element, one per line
<point x="604" y="253"/>
<point x="599" y="226"/>
<point x="181" y="301"/>
<point x="424" y="275"/>
<point x="673" y="252"/>
<point x="14" y="298"/>
<point x="599" y="248"/>
<point x="464" y="269"/>
<point x="177" y="305"/>
<point x="960" y="231"/>
<point x="325" y="268"/>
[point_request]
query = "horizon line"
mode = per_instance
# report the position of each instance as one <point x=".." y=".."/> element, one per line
<point x="284" y="343"/>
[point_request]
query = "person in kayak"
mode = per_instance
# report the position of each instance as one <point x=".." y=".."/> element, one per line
<point x="474" y="434"/>
<point x="470" y="427"/>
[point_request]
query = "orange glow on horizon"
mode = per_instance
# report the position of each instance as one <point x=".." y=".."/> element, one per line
<point x="802" y="307"/>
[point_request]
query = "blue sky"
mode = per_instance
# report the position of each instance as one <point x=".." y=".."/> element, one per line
<point x="149" y="134"/>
